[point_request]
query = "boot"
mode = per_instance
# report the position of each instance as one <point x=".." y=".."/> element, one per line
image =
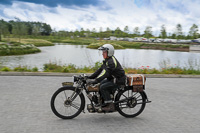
<point x="109" y="107"/>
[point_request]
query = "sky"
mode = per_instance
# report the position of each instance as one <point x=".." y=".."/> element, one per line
<point x="73" y="15"/>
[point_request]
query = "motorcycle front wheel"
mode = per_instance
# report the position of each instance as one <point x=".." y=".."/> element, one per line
<point x="66" y="103"/>
<point x="132" y="103"/>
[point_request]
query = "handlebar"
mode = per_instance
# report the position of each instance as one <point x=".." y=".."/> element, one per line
<point x="82" y="78"/>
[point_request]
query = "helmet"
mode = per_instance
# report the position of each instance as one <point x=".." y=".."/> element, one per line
<point x="109" y="48"/>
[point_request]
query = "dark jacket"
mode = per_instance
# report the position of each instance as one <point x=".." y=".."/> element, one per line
<point x="110" y="69"/>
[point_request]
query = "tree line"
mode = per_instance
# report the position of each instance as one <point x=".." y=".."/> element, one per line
<point x="20" y="28"/>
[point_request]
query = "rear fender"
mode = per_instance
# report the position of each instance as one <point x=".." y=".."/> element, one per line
<point x="145" y="95"/>
<point x="127" y="88"/>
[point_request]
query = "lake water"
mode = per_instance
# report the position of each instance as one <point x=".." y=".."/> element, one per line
<point x="82" y="56"/>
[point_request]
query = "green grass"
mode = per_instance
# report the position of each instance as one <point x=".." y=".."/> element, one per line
<point x="17" y="49"/>
<point x="72" y="41"/>
<point x="138" y="45"/>
<point x="36" y="42"/>
<point x="71" y="68"/>
<point x="163" y="71"/>
<point x="19" y="69"/>
<point x="100" y="43"/>
<point x="55" y="67"/>
<point x="93" y="43"/>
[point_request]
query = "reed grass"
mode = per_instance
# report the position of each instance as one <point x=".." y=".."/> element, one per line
<point x="71" y="68"/>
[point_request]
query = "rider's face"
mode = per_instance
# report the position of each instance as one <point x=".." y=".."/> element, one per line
<point x="105" y="54"/>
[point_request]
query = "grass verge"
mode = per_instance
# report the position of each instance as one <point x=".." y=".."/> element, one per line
<point x="36" y="42"/>
<point x="139" y="45"/>
<point x="17" y="49"/>
<point x="54" y="67"/>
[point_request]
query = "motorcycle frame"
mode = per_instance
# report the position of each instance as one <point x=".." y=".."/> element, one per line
<point x="82" y="86"/>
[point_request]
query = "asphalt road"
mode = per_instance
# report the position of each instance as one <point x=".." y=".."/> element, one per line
<point x="25" y="108"/>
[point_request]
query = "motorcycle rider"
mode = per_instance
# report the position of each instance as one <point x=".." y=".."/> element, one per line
<point x="109" y="75"/>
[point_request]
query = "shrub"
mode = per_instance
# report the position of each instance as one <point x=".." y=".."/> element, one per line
<point x="52" y="67"/>
<point x="35" y="69"/>
<point x="22" y="69"/>
<point x="97" y="66"/>
<point x="5" y="69"/>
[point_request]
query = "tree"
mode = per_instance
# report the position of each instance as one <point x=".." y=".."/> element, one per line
<point x="101" y="32"/>
<point x="108" y="29"/>
<point x="163" y="33"/>
<point x="94" y="30"/>
<point x="108" y="32"/>
<point x="29" y="28"/>
<point x="173" y="36"/>
<point x="136" y="31"/>
<point x="118" y="32"/>
<point x="93" y="33"/>
<point x="19" y="28"/>
<point x="87" y="33"/>
<point x="178" y="32"/>
<point x="4" y="28"/>
<point x="148" y="32"/>
<point x="126" y="31"/>
<point x="62" y="33"/>
<point x="77" y="33"/>
<point x="10" y="27"/>
<point x="193" y="31"/>
<point x="82" y="33"/>
<point x="36" y="29"/>
<point x="46" y="29"/>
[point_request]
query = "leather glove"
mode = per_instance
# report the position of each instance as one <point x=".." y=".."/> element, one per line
<point x="91" y="81"/>
<point x="88" y="77"/>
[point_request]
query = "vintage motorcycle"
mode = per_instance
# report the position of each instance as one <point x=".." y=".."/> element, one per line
<point x="69" y="101"/>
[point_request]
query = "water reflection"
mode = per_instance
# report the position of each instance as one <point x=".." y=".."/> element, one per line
<point x="81" y="56"/>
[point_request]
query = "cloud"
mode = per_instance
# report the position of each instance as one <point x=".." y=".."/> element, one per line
<point x="89" y="14"/>
<point x="55" y="3"/>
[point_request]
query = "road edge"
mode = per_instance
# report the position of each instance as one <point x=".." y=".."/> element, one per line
<point x="71" y="74"/>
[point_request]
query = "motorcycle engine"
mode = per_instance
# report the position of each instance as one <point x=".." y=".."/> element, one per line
<point x="95" y="99"/>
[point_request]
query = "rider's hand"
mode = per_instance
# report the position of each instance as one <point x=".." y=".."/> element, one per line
<point x="88" y="77"/>
<point x="91" y="82"/>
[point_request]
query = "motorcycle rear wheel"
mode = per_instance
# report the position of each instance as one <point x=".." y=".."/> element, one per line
<point x="66" y="103"/>
<point x="133" y="103"/>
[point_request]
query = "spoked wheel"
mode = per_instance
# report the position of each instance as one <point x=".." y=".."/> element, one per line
<point x="66" y="103"/>
<point x="133" y="103"/>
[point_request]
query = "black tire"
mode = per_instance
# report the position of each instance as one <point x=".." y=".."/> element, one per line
<point x="61" y="102"/>
<point x="135" y="105"/>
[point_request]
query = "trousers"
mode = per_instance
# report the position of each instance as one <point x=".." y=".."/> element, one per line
<point x="106" y="88"/>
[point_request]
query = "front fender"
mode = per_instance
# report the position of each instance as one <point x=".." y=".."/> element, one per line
<point x="71" y="87"/>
